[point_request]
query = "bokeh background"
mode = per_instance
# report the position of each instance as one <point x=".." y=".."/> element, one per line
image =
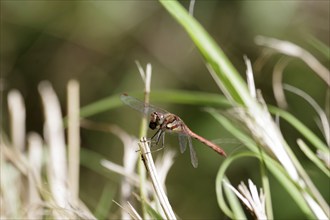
<point x="98" y="42"/>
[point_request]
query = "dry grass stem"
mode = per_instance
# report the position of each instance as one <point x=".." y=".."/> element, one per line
<point x="73" y="139"/>
<point x="253" y="200"/>
<point x="277" y="82"/>
<point x="294" y="50"/>
<point x="150" y="167"/>
<point x="17" y="114"/>
<point x="35" y="143"/>
<point x="54" y="136"/>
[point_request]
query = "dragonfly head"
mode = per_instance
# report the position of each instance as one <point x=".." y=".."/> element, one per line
<point x="156" y="119"/>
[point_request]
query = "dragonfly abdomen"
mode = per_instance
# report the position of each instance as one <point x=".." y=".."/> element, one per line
<point x="208" y="143"/>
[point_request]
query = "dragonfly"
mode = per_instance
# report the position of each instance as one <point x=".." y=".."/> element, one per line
<point x="165" y="122"/>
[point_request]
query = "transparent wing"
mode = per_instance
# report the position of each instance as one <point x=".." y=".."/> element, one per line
<point x="182" y="142"/>
<point x="193" y="156"/>
<point x="140" y="105"/>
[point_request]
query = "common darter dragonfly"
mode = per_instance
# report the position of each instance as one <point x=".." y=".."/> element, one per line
<point x="164" y="121"/>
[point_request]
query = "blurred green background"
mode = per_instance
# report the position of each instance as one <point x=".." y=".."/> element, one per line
<point x="98" y="42"/>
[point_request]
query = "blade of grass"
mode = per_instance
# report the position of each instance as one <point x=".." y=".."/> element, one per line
<point x="312" y="156"/>
<point x="146" y="77"/>
<point x="231" y="82"/>
<point x="164" y="96"/>
<point x="319" y="45"/>
<point x="73" y="140"/>
<point x="54" y="136"/>
<point x="91" y="160"/>
<point x="306" y="132"/>
<point x="322" y="115"/>
<point x="130" y="210"/>
<point x="293" y="50"/>
<point x="150" y="167"/>
<point x="218" y="185"/>
<point x="272" y="165"/>
<point x="266" y="187"/>
<point x="104" y="204"/>
<point x="234" y="202"/>
<point x="152" y="212"/>
<point x="275" y="169"/>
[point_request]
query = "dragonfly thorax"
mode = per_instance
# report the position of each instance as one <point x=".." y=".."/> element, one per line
<point x="156" y="120"/>
<point x="165" y="121"/>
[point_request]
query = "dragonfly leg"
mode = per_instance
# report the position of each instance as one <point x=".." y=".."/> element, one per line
<point x="160" y="134"/>
<point x="157" y="136"/>
<point x="163" y="140"/>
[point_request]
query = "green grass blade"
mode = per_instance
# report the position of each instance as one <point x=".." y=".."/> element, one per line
<point x="104" y="205"/>
<point x="190" y="98"/>
<point x="266" y="187"/>
<point x="308" y="134"/>
<point x="319" y="45"/>
<point x="234" y="203"/>
<point x="219" y="182"/>
<point x="101" y="106"/>
<point x="275" y="168"/>
<point x="91" y="160"/>
<point x="312" y="156"/>
<point x="278" y="173"/>
<point x="152" y="212"/>
<point x="164" y="96"/>
<point x="228" y="76"/>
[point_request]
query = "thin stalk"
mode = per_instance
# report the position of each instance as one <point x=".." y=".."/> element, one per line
<point x="309" y="183"/>
<point x="150" y="167"/>
<point x="54" y="136"/>
<point x="146" y="77"/>
<point x="73" y="139"/>
<point x="266" y="187"/>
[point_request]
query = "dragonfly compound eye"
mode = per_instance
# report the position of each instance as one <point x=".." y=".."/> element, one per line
<point x="152" y="125"/>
